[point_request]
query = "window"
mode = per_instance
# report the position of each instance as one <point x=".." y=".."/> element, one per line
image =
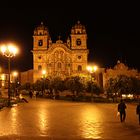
<point x="40" y="43"/>
<point x="39" y="67"/>
<point x="59" y="65"/>
<point x="39" y="57"/>
<point x="79" y="57"/>
<point x="40" y="33"/>
<point x="79" y="68"/>
<point x="68" y="65"/>
<point x="78" y="42"/>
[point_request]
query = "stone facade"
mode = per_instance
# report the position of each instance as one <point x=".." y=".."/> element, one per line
<point x="26" y="77"/>
<point x="60" y="58"/>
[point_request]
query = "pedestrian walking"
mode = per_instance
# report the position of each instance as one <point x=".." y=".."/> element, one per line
<point x="121" y="110"/>
<point x="138" y="111"/>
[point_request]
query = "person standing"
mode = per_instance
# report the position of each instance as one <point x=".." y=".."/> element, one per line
<point x="30" y="94"/>
<point x="121" y="110"/>
<point x="138" y="111"/>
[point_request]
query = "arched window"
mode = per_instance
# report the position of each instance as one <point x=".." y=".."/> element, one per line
<point x="39" y="67"/>
<point x="40" y="43"/>
<point x="78" y="42"/>
<point x="79" y="68"/>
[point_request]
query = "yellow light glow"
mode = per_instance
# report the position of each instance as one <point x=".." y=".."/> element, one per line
<point x="9" y="50"/>
<point x="15" y="73"/>
<point x="89" y="68"/>
<point x="130" y="95"/>
<point x="95" y="68"/>
<point x="12" y="48"/>
<point x="2" y="77"/>
<point x="43" y="72"/>
<point x="3" y="48"/>
<point x="92" y="68"/>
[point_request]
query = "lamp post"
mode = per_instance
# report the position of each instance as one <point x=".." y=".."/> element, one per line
<point x="44" y="76"/>
<point x="15" y="82"/>
<point x="92" y="70"/>
<point x="89" y="68"/>
<point x="9" y="51"/>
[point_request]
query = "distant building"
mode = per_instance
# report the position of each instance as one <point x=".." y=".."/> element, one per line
<point x="26" y="77"/>
<point x="64" y="59"/>
<point x="60" y="58"/>
<point x="119" y="69"/>
<point x="4" y="77"/>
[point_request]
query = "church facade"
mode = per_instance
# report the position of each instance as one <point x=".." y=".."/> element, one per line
<point x="59" y="59"/>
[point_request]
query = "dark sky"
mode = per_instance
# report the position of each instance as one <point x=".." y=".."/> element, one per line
<point x="112" y="28"/>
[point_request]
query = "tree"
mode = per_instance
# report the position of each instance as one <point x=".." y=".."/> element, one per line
<point x="123" y="84"/>
<point x="136" y="86"/>
<point x="92" y="87"/>
<point x="57" y="84"/>
<point x="25" y="86"/>
<point x="75" y="85"/>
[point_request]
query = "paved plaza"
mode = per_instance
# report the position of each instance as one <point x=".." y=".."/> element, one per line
<point x="43" y="119"/>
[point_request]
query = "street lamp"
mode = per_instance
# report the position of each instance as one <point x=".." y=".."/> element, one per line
<point x="9" y="51"/>
<point x="44" y="76"/>
<point x="92" y="70"/>
<point x="15" y="73"/>
<point x="44" y="73"/>
<point x="15" y="81"/>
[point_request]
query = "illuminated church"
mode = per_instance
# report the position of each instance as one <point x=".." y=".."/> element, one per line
<point x="59" y="58"/>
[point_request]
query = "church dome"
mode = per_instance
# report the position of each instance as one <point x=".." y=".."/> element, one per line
<point x="78" y="28"/>
<point x="120" y="66"/>
<point x="41" y="30"/>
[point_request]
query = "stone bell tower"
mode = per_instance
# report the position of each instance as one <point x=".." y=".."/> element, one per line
<point x="79" y="48"/>
<point x="41" y="43"/>
<point x="78" y="36"/>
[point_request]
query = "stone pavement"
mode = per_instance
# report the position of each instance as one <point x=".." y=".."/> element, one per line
<point x="43" y="119"/>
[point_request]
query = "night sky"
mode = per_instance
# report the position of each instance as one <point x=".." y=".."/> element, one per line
<point x="112" y="29"/>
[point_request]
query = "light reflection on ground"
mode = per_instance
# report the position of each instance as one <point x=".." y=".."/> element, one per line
<point x="14" y="120"/>
<point x="91" y="124"/>
<point x="52" y="119"/>
<point x="42" y="120"/>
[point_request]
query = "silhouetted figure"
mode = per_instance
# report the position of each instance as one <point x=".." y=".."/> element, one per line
<point x="138" y="111"/>
<point x="31" y="94"/>
<point x="121" y="109"/>
<point x="37" y="94"/>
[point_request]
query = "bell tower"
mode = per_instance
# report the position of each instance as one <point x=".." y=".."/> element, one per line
<point x="41" y="38"/>
<point x="41" y="44"/>
<point x="79" y="48"/>
<point x="78" y="36"/>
